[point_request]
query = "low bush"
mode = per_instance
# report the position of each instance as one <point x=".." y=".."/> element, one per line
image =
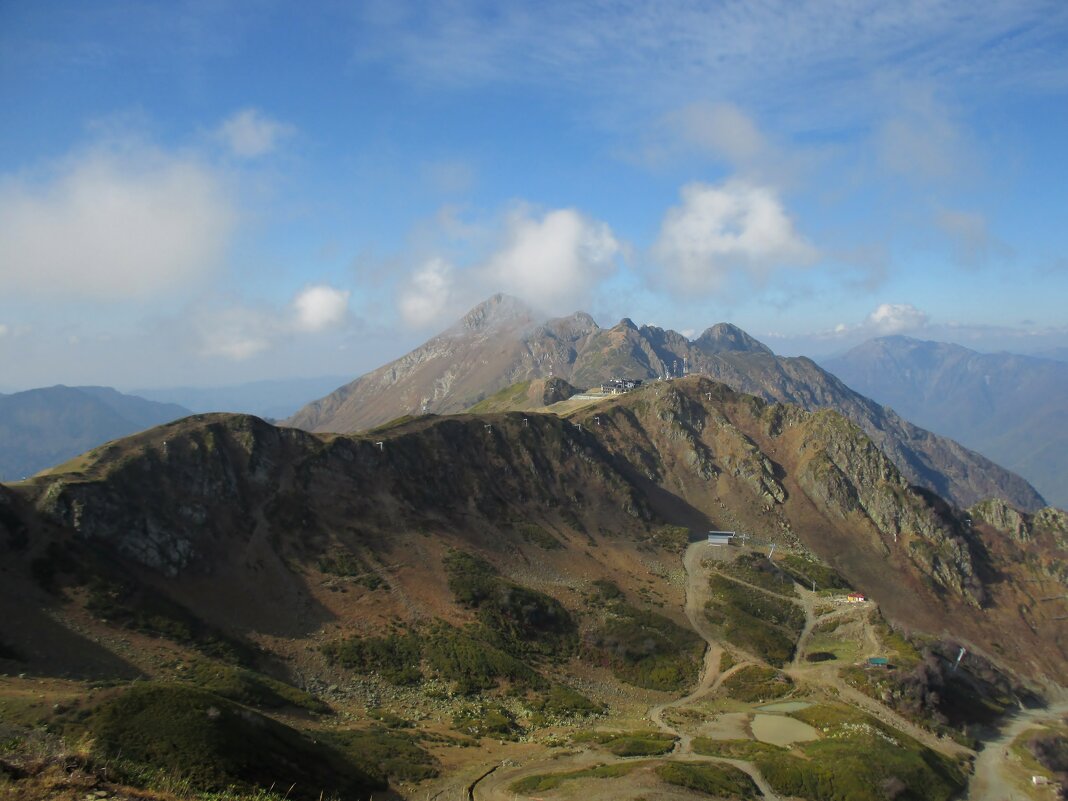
<point x="395" y="657"/>
<point x="808" y="571"/>
<point x="543" y="782"/>
<point x="472" y="663"/>
<point x="212" y="744"/>
<point x="250" y="688"/>
<point x="721" y="781"/>
<point x="525" y="621"/>
<point x="734" y="749"/>
<point x="755" y="621"/>
<point x="859" y="759"/>
<point x="647" y="649"/>
<point x="386" y="755"/>
<point x="758" y="570"/>
<point x="148" y="612"/>
<point x="757" y="683"/>
<point x="562" y="701"/>
<point x="464" y="657"/>
<point x="486" y="721"/>
<point x="539" y="536"/>
<point x="626" y="744"/>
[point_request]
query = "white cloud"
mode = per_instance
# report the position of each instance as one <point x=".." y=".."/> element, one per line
<point x="113" y="224"/>
<point x="320" y="307"/>
<point x="3" y="330"/>
<point x="553" y="261"/>
<point x="239" y="332"/>
<point x="895" y="318"/>
<point x="733" y="228"/>
<point x="428" y="296"/>
<point x="250" y="133"/>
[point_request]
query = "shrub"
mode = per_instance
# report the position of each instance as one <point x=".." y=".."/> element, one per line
<point x="634" y="743"/>
<point x="486" y="721"/>
<point x="722" y="781"/>
<point x="213" y="744"/>
<point x="758" y="570"/>
<point x="250" y="688"/>
<point x="757" y="683"/>
<point x="760" y="623"/>
<point x="543" y="782"/>
<point x="524" y="621"/>
<point x="647" y="649"/>
<point x="147" y="611"/>
<point x="807" y="571"/>
<point x="538" y="535"/>
<point x="472" y="663"/>
<point x="565" y="702"/>
<point x="385" y="754"/>
<point x="395" y="657"/>
<point x="859" y="759"/>
<point x="734" y="749"/>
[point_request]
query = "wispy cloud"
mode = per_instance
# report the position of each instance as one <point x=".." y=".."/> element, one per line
<point x="673" y="51"/>
<point x="973" y="245"/>
<point x="249" y="133"/>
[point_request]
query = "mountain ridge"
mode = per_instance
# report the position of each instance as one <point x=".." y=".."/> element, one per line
<point x="450" y="373"/>
<point x="1009" y="407"/>
<point x="40" y="428"/>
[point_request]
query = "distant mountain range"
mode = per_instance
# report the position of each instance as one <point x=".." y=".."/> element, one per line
<point x="501" y="342"/>
<point x="275" y="399"/>
<point x="40" y="428"/>
<point x="1011" y="408"/>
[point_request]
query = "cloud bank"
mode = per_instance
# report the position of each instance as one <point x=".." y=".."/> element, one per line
<point x="114" y="224"/>
<point x="733" y="229"/>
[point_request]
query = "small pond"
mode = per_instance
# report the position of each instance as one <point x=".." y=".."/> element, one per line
<point x="781" y="730"/>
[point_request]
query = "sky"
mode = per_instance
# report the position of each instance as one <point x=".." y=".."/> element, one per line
<point x="206" y="193"/>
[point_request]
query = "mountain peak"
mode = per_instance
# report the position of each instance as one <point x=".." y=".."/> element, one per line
<point x="497" y="312"/>
<point x="724" y="337"/>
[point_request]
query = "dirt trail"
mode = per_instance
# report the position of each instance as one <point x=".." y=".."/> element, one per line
<point x="989" y="782"/>
<point x="827" y="676"/>
<point x="494" y="786"/>
<point x="696" y="596"/>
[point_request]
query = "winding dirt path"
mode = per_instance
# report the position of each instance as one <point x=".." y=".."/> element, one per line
<point x="696" y="595"/>
<point x="493" y="786"/>
<point x="989" y="781"/>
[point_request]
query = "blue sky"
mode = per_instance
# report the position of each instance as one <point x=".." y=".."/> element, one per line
<point x="212" y="192"/>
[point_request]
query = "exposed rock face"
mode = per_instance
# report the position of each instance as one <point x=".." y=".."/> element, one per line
<point x="500" y="343"/>
<point x="1020" y="526"/>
